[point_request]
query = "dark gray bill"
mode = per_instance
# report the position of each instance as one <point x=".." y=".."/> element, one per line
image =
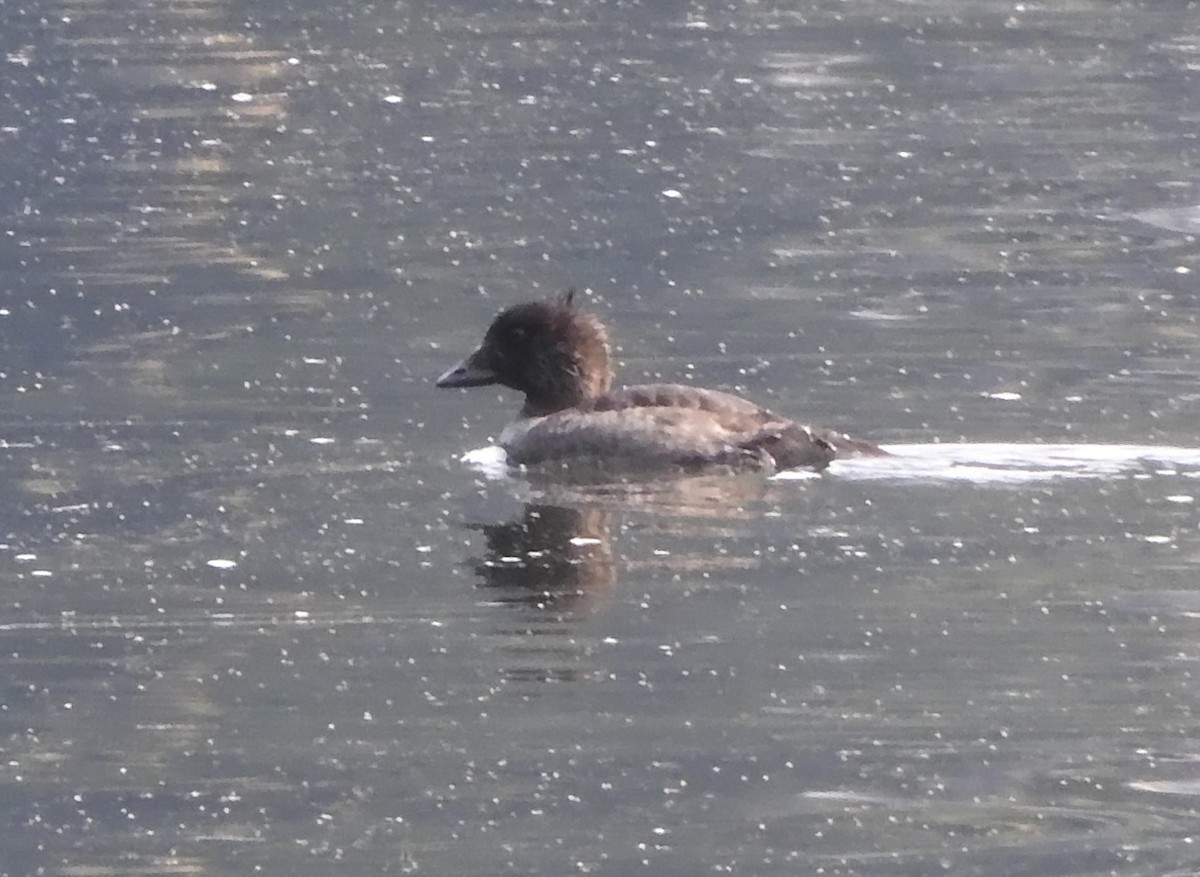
<point x="471" y="372"/>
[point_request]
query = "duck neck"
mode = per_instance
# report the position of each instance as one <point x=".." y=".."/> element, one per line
<point x="541" y="404"/>
<point x="582" y="389"/>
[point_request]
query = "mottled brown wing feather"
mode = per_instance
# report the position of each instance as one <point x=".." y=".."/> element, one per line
<point x="726" y="407"/>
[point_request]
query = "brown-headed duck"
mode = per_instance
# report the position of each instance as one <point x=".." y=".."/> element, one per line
<point x="557" y="354"/>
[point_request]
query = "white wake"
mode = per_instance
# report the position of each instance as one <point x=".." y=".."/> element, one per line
<point x="978" y="462"/>
<point x="1015" y="463"/>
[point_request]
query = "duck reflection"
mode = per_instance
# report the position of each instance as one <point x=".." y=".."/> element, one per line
<point x="557" y="562"/>
<point x="554" y="557"/>
<point x="559" y="553"/>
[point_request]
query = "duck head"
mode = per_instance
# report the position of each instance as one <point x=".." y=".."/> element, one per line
<point x="552" y="351"/>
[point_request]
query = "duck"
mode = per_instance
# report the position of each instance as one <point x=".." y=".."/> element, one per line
<point x="558" y="355"/>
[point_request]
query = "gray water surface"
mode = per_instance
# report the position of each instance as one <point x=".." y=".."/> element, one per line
<point x="261" y="616"/>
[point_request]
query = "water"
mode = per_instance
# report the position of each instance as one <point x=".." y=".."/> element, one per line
<point x="260" y="615"/>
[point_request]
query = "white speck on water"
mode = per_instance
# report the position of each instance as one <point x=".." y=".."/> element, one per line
<point x="1182" y="269"/>
<point x="878" y="315"/>
<point x="393" y="99"/>
<point x="584" y="540"/>
<point x="241" y="97"/>
<point x="672" y="193"/>
<point x="1004" y="397"/>
<point x="221" y="563"/>
<point x="322" y="440"/>
<point x="1181" y="498"/>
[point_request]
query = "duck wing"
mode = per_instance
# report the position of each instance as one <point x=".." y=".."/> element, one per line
<point x="726" y="408"/>
<point x="790" y="443"/>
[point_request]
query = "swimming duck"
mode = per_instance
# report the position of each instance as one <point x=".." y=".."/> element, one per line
<point x="557" y="354"/>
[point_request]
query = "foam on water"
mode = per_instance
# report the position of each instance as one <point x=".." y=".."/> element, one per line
<point x="1015" y="463"/>
<point x="978" y="462"/>
<point x="489" y="461"/>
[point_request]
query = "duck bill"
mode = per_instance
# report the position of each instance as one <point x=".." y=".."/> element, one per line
<point x="471" y="372"/>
